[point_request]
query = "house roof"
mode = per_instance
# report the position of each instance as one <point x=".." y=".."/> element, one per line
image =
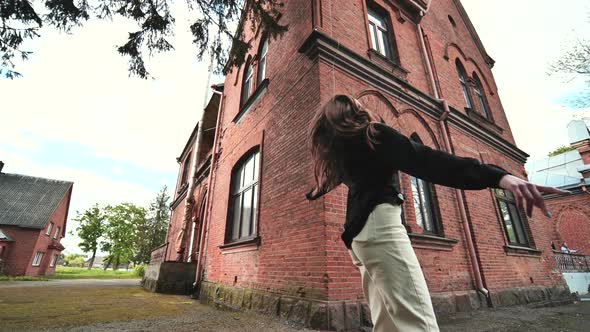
<point x="4" y="236"/>
<point x="27" y="201"/>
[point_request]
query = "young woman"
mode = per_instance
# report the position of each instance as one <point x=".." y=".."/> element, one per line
<point x="351" y="146"/>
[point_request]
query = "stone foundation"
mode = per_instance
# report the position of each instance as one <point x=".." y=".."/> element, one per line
<point x="169" y="277"/>
<point x="355" y="315"/>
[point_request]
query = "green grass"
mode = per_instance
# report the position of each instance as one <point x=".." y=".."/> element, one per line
<point x="66" y="272"/>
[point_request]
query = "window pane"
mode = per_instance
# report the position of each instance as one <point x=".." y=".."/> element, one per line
<point x="246" y="214"/>
<point x="427" y="206"/>
<point x="256" y="165"/>
<point x="237" y="209"/>
<point x="373" y="32"/>
<point x="249" y="171"/>
<point x="417" y="202"/>
<point x="254" y="209"/>
<point x="517" y="222"/>
<point x="467" y="96"/>
<point x="382" y="39"/>
<point x="510" y="232"/>
<point x="236" y="181"/>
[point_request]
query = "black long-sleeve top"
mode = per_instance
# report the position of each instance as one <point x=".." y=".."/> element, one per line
<point x="370" y="174"/>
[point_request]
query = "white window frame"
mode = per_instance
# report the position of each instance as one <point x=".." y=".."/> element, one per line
<point x="262" y="59"/>
<point x="239" y="186"/>
<point x="53" y="260"/>
<point x="380" y="35"/>
<point x="248" y="85"/>
<point x="57" y="230"/>
<point x="38" y="258"/>
<point x="49" y="228"/>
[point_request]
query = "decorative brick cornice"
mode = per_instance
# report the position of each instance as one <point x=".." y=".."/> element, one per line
<point x="319" y="46"/>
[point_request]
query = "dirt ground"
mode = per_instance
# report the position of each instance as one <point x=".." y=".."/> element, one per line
<point x="108" y="305"/>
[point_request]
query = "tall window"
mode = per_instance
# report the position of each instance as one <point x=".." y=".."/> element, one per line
<point x="248" y="83"/>
<point x="56" y="233"/>
<point x="481" y="99"/>
<point x="380" y="34"/>
<point x="185" y="169"/>
<point x="464" y="84"/>
<point x="38" y="258"/>
<point x="424" y="202"/>
<point x="53" y="260"/>
<point x="49" y="228"/>
<point x="511" y="218"/>
<point x="262" y="55"/>
<point x="243" y="200"/>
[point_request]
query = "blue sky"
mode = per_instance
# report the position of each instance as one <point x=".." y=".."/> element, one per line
<point x="77" y="116"/>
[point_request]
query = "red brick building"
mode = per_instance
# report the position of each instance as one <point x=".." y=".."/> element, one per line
<point x="240" y="215"/>
<point x="33" y="214"/>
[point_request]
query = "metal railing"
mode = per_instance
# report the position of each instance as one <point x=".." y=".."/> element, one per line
<point x="571" y="262"/>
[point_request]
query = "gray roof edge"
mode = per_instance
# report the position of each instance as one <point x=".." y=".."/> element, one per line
<point x="39" y="178"/>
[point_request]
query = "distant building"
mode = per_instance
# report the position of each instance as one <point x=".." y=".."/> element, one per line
<point x="99" y="262"/>
<point x="33" y="214"/>
<point x="571" y="171"/>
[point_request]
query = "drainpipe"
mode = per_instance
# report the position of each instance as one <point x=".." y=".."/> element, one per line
<point x="446" y="138"/>
<point x="204" y="236"/>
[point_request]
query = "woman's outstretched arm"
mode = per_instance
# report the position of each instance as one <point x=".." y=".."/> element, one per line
<point x="458" y="172"/>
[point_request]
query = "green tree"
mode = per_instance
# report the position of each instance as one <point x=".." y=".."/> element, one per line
<point x="560" y="150"/>
<point x="90" y="229"/>
<point x="214" y="28"/>
<point x="152" y="232"/>
<point x="121" y="232"/>
<point x="75" y="260"/>
<point x="575" y="62"/>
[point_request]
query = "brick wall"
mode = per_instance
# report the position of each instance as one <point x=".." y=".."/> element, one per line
<point x="571" y="222"/>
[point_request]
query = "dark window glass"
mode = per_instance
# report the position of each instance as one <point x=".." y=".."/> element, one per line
<point x="243" y="200"/>
<point x="424" y="202"/>
<point x="481" y="99"/>
<point x="464" y="84"/>
<point x="185" y="169"/>
<point x="511" y="218"/>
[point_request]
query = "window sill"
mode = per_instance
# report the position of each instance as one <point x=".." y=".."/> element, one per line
<point x="512" y="250"/>
<point x="388" y="64"/>
<point x="482" y="120"/>
<point x="433" y="242"/>
<point x="239" y="246"/>
<point x="252" y="101"/>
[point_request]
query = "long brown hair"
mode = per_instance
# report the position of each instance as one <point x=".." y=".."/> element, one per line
<point x="343" y="117"/>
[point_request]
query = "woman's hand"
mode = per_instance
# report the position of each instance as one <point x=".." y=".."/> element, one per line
<point x="530" y="193"/>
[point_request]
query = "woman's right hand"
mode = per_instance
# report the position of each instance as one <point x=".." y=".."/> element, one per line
<point x="529" y="194"/>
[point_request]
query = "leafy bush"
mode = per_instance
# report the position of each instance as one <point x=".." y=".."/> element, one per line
<point x="140" y="270"/>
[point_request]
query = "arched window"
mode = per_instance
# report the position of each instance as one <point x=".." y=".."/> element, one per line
<point x="464" y="85"/>
<point x="247" y="82"/>
<point x="481" y="98"/>
<point x="424" y="201"/>
<point x="262" y="56"/>
<point x="243" y="203"/>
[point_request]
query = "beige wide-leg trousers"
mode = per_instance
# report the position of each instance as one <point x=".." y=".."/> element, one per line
<point x="393" y="282"/>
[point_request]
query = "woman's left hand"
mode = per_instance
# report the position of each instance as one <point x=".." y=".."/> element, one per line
<point x="529" y="193"/>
